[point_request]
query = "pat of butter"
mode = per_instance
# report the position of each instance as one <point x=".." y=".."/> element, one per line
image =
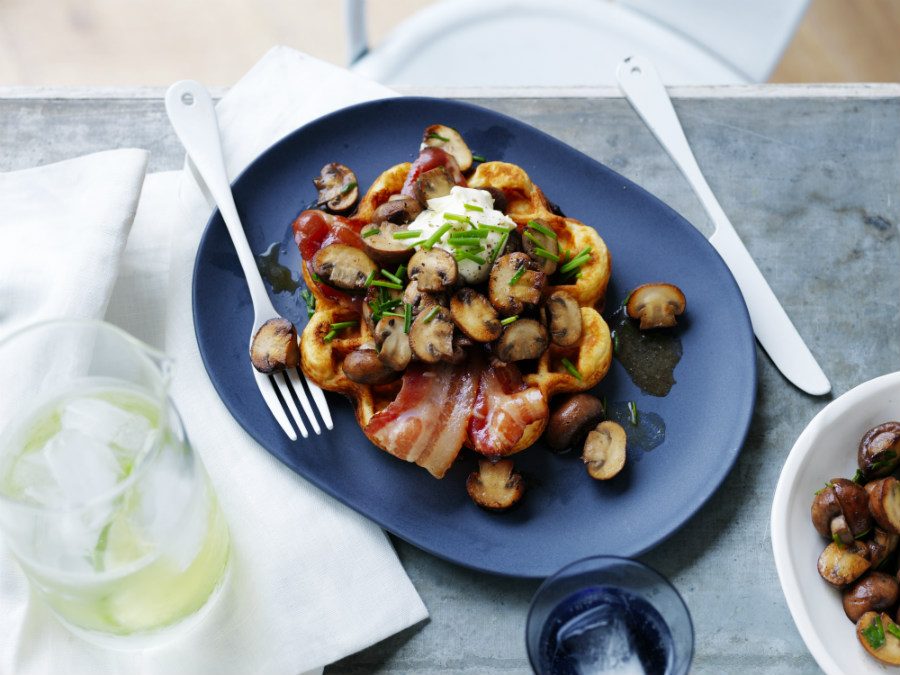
<point x="465" y="209"/>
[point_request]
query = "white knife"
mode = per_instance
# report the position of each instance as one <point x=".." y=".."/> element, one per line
<point x="641" y="85"/>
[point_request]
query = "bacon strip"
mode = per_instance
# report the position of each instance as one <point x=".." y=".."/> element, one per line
<point x="503" y="408"/>
<point x="426" y="423"/>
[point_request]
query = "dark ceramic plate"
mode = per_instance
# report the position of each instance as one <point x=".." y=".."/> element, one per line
<point x="565" y="515"/>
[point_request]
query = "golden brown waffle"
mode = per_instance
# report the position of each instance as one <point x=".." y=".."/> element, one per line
<point x="321" y="361"/>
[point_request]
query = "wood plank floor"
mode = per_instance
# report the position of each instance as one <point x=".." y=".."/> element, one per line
<point x="153" y="42"/>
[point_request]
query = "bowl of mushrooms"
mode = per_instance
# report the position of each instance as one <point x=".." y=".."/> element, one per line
<point x="836" y="527"/>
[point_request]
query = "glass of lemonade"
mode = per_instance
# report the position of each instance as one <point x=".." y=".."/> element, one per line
<point x="102" y="499"/>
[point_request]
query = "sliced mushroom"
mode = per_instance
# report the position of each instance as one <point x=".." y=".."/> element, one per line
<point x="343" y="266"/>
<point x="431" y="335"/>
<point x="399" y="209"/>
<point x="374" y="295"/>
<point x="656" y="305"/>
<point x="854" y="504"/>
<point x="274" y="347"/>
<point x="499" y="197"/>
<point x="565" y="319"/>
<point x="420" y="300"/>
<point x="522" y="340"/>
<point x="840" y="565"/>
<point x="884" y="503"/>
<point x="338" y="188"/>
<point x="875" y="592"/>
<point x="474" y="315"/>
<point x="395" y="350"/>
<point x="539" y="245"/>
<point x="879" y="450"/>
<point x="873" y="633"/>
<point x="511" y="298"/>
<point x="383" y="247"/>
<point x="433" y="270"/>
<point x="604" y="451"/>
<point x="572" y="420"/>
<point x="448" y="139"/>
<point x="364" y="366"/>
<point x="433" y="183"/>
<point x="882" y="545"/>
<point x="495" y="486"/>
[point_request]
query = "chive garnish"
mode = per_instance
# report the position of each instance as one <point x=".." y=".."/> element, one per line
<point x="430" y="315"/>
<point x="339" y="326"/>
<point x="399" y="316"/>
<point x="407" y="317"/>
<point x="894" y="630"/>
<point x="390" y="277"/>
<point x="494" y="228"/>
<point x="457" y="217"/>
<point x="508" y="320"/>
<point x="837" y="540"/>
<point x="537" y="242"/>
<point x="627" y="298"/>
<point x="874" y="634"/>
<point x="469" y="234"/>
<point x="400" y="273"/>
<point x="577" y="261"/>
<point x="821" y="490"/>
<point x="573" y="371"/>
<point x="633" y="411"/>
<point x="369" y="233"/>
<point x="473" y="207"/>
<point x="310" y="301"/>
<point x="436" y="237"/>
<point x="517" y="275"/>
<point x="369" y="279"/>
<point x="479" y="158"/>
<point x="316" y="278"/>
<point x="432" y="134"/>
<point x="387" y="284"/>
<point x="859" y="477"/>
<point x="347" y="188"/>
<point x="407" y="234"/>
<point x="500" y="247"/>
<point x="465" y="255"/>
<point x="543" y="229"/>
<point x="544" y="253"/>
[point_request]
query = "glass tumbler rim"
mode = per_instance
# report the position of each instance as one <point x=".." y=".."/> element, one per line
<point x="163" y="364"/>
<point x="599" y="559"/>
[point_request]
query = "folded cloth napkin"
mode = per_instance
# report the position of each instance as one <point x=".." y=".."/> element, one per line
<point x="311" y="581"/>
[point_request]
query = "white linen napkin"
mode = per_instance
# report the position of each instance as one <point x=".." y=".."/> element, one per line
<point x="311" y="581"/>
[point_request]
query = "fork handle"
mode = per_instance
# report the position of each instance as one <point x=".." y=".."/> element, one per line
<point x="193" y="116"/>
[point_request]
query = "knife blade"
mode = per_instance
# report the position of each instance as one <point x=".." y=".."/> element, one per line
<point x="773" y="328"/>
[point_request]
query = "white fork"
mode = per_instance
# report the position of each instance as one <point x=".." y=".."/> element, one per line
<point x="191" y="111"/>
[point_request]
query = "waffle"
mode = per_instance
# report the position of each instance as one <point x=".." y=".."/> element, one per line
<point x="321" y="360"/>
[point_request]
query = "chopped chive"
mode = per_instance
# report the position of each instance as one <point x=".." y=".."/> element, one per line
<point x="457" y="217"/>
<point x="862" y="535"/>
<point x="573" y="371"/>
<point x="430" y="315"/>
<point x="874" y="634"/>
<point x="508" y="320"/>
<point x="369" y="233"/>
<point x="329" y="336"/>
<point x="469" y="234"/>
<point x="627" y="298"/>
<point x="340" y="325"/>
<point x="401" y="272"/>
<point x="436" y="237"/>
<point x="407" y="234"/>
<point x="517" y="275"/>
<point x="465" y="255"/>
<point x="859" y="477"/>
<point x="407" y="317"/>
<point x="500" y="247"/>
<point x="415" y="243"/>
<point x="632" y="409"/>
<point x="390" y="277"/>
<point x="479" y="158"/>
<point x="537" y="242"/>
<point x="584" y="251"/>
<point x="837" y="540"/>
<point x="310" y="301"/>
<point x="438" y="137"/>
<point x="473" y="207"/>
<point x="544" y="253"/>
<point x="894" y="630"/>
<point x="575" y="263"/>
<point x="399" y="316"/>
<point x="347" y="188"/>
<point x="494" y="228"/>
<point x="543" y="229"/>
<point x="316" y="278"/>
<point x="387" y="284"/>
<point x="370" y="278"/>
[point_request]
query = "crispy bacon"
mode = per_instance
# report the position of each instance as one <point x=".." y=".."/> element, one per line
<point x="314" y="230"/>
<point x="426" y="423"/>
<point x="504" y="406"/>
<point x="431" y="158"/>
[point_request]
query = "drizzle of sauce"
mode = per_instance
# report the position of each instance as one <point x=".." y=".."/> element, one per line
<point x="649" y="357"/>
<point x="649" y="433"/>
<point x="279" y="277"/>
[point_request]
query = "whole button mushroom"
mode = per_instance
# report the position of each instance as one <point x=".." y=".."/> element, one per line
<point x="879" y="450"/>
<point x="572" y="420"/>
<point x="876" y="592"/>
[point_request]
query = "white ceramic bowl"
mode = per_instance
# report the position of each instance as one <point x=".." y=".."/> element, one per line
<point x="826" y="449"/>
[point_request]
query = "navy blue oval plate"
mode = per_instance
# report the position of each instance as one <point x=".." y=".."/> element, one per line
<point x="565" y="515"/>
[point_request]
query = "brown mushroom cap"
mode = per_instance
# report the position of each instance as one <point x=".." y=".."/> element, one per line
<point x="338" y="188"/>
<point x="881" y="546"/>
<point x="275" y="347"/>
<point x="431" y="335"/>
<point x="383" y="247"/>
<point x="604" y="451"/>
<point x="474" y="315"/>
<point x="522" y="340"/>
<point x="887" y="651"/>
<point x="449" y="140"/>
<point x="433" y="183"/>
<point x="854" y="503"/>
<point x="879" y="450"/>
<point x="840" y="565"/>
<point x="395" y="352"/>
<point x="495" y="486"/>
<point x="434" y="270"/>
<point x="420" y="300"/>
<point x="364" y="366"/>
<point x="825" y="508"/>
<point x="565" y="319"/>
<point x="575" y="416"/>
<point x="533" y="240"/>
<point x="510" y="299"/>
<point x="656" y="305"/>
<point x="399" y="209"/>
<point x="342" y="266"/>
<point x="884" y="503"/>
<point x="874" y="592"/>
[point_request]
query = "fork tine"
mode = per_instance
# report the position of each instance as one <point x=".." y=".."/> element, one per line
<point x="264" y="384"/>
<point x="297" y="386"/>
<point x="322" y="405"/>
<point x="285" y="389"/>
